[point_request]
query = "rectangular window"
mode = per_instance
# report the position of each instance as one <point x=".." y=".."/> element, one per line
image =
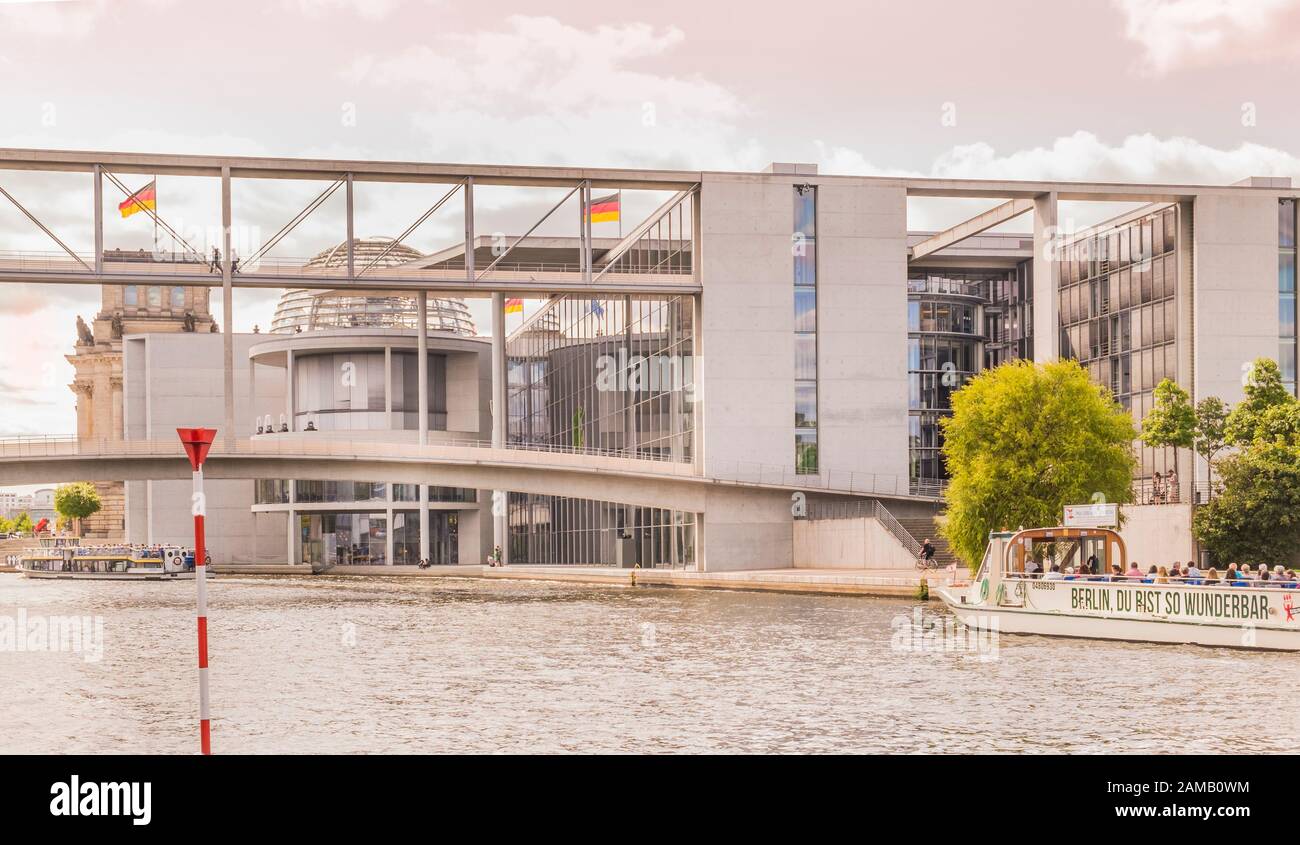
<point x="804" y="248"/>
<point x="1286" y="292"/>
<point x="131" y="295"/>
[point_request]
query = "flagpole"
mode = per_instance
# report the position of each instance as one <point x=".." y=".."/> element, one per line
<point x="620" y="214"/>
<point x="155" y="216"/>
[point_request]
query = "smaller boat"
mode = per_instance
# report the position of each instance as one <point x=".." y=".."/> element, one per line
<point x="67" y="558"/>
<point x="1012" y="594"/>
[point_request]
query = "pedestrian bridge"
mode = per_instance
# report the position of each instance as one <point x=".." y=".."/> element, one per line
<point x="556" y="471"/>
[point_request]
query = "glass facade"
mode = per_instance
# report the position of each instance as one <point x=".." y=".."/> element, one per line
<point x="1118" y="313"/>
<point x="345" y="539"/>
<point x="556" y="530"/>
<point x="1009" y="316"/>
<point x="1286" y="300"/>
<point x="804" y="247"/>
<point x="945" y="322"/>
<point x="344" y="391"/>
<point x="358" y="538"/>
<point x="612" y="375"/>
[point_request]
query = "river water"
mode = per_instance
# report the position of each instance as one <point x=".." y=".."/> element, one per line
<point x="391" y="665"/>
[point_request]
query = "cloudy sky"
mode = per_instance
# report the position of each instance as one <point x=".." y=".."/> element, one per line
<point x="1152" y="90"/>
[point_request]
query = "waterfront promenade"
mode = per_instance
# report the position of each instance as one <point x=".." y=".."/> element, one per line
<point x="862" y="582"/>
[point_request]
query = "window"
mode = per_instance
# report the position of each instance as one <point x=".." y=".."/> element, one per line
<point x="804" y="246"/>
<point x="155" y="296"/>
<point x="178" y="298"/>
<point x="131" y="295"/>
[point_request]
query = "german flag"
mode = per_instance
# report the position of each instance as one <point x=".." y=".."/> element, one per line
<point x="514" y="306"/>
<point x="604" y="209"/>
<point x="146" y="197"/>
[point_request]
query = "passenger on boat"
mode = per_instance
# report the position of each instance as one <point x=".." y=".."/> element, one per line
<point x="1091" y="566"/>
<point x="1191" y="573"/>
<point x="1031" y="568"/>
<point x="1174" y="572"/>
<point x="1162" y="574"/>
<point x="1069" y="573"/>
<point x="1212" y="577"/>
<point x="1152" y="572"/>
<point x="1133" y="571"/>
<point x="1116" y="574"/>
<point x="1055" y="574"/>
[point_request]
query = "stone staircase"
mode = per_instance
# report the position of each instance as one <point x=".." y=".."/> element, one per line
<point x="922" y="527"/>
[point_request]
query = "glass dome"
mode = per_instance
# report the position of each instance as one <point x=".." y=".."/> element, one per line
<point x="301" y="309"/>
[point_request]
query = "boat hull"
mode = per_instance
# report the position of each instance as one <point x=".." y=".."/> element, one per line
<point x="1059" y="622"/>
<point x="107" y="576"/>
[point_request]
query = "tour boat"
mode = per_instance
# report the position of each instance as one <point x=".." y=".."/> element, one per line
<point x="65" y="557"/>
<point x="1008" y="597"/>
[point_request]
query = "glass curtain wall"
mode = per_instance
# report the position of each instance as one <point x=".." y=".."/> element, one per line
<point x="804" y="247"/>
<point x="945" y="323"/>
<point x="1286" y="299"/>
<point x="1118" y="313"/>
<point x="344" y="391"/>
<point x="612" y="375"/>
<point x="556" y="530"/>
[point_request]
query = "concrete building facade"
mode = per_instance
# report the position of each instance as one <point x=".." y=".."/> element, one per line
<point x="801" y="288"/>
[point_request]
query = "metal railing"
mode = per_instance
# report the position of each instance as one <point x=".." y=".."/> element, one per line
<point x="323" y="445"/>
<point x="135" y="264"/>
<point x="866" y="509"/>
<point x="1149" y="492"/>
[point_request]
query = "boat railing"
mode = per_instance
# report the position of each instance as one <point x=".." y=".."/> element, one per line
<point x="1131" y="580"/>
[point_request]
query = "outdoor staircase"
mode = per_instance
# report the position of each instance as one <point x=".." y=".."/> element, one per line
<point x="923" y="527"/>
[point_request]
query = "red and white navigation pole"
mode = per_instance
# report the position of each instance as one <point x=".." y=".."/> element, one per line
<point x="197" y="442"/>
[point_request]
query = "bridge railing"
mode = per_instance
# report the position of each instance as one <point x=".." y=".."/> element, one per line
<point x="323" y="445"/>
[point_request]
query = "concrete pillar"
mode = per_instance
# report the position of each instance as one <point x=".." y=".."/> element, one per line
<point x="99" y="218"/>
<point x="352" y="267"/>
<point x="227" y="311"/>
<point x="291" y="546"/>
<point x="1047" y="277"/>
<point x="388" y="387"/>
<point x="388" y="533"/>
<point x="422" y="362"/>
<point x="424" y="522"/>
<point x="469" y="228"/>
<point x="500" y="418"/>
<point x="290" y="390"/>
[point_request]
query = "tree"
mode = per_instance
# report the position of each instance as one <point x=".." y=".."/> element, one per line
<point x="1025" y="440"/>
<point x="1171" y="420"/>
<point x="1211" y="417"/>
<point x="1263" y="391"/>
<point x="23" y="523"/>
<point x="77" y="501"/>
<point x="1256" y="517"/>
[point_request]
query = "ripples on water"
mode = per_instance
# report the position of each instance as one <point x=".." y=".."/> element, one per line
<point x="312" y="665"/>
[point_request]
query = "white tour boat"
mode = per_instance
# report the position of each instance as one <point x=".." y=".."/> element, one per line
<point x="1008" y="597"/>
<point x="65" y="557"/>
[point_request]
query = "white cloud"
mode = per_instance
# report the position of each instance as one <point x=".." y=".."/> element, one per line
<point x="61" y="19"/>
<point x="1174" y="33"/>
<point x="373" y="10"/>
<point x="1085" y="157"/>
<point x="541" y="91"/>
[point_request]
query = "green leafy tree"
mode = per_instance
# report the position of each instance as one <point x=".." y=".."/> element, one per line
<point x="1025" y="440"/>
<point x="1211" y="418"/>
<point x="23" y="523"/>
<point x="1263" y="392"/>
<point x="77" y="501"/>
<point x="6" y="525"/>
<point x="1256" y="517"/>
<point x="1171" y="420"/>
